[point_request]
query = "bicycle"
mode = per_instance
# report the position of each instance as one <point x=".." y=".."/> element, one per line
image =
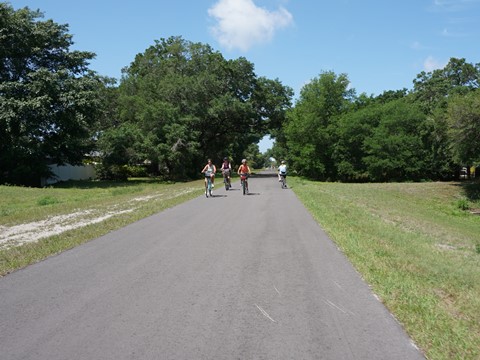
<point x="208" y="186"/>
<point x="283" y="181"/>
<point x="243" y="180"/>
<point x="226" y="180"/>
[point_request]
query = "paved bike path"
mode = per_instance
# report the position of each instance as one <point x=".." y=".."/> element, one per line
<point x="228" y="277"/>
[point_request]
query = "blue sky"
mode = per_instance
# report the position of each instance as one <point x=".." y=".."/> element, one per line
<point x="380" y="44"/>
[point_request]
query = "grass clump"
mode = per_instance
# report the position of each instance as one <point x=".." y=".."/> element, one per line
<point x="47" y="200"/>
<point x="463" y="204"/>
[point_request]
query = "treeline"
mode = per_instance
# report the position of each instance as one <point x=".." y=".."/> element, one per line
<point x="179" y="103"/>
<point x="430" y="132"/>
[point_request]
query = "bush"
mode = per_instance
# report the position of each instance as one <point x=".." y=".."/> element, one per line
<point x="119" y="172"/>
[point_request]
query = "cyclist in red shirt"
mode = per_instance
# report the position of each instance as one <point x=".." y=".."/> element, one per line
<point x="244" y="171"/>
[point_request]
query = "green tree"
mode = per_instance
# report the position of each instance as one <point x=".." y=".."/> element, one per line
<point x="120" y="146"/>
<point x="279" y="149"/>
<point x="354" y="128"/>
<point x="373" y="137"/>
<point x="439" y="161"/>
<point x="432" y="89"/>
<point x="311" y="126"/>
<point x="432" y="92"/>
<point x="191" y="104"/>
<point x="48" y="97"/>
<point x="463" y="118"/>
<point x="253" y="156"/>
<point x="395" y="150"/>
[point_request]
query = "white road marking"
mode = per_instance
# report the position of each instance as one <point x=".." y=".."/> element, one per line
<point x="264" y="313"/>
<point x="328" y="302"/>
<point x="338" y="285"/>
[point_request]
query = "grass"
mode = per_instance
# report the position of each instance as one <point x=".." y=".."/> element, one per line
<point x="417" y="245"/>
<point x="122" y="202"/>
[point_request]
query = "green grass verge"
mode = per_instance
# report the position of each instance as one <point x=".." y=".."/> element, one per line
<point x="417" y="246"/>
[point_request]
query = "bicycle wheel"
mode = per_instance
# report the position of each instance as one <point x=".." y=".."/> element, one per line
<point x="225" y="182"/>
<point x="244" y="187"/>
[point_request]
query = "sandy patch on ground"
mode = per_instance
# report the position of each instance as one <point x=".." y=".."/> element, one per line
<point x="17" y="235"/>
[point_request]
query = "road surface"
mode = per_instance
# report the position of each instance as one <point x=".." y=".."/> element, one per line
<point x="229" y="277"/>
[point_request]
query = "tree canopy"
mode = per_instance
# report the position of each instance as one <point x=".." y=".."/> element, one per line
<point x="463" y="118"/>
<point x="310" y="130"/>
<point x="427" y="133"/>
<point x="48" y="97"/>
<point x="187" y="103"/>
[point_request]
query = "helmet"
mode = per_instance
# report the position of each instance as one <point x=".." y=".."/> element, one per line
<point x="225" y="159"/>
<point x="283" y="161"/>
<point x="244" y="161"/>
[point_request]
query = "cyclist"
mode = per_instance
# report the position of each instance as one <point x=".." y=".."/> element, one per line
<point x="282" y="171"/>
<point x="209" y="170"/>
<point x="227" y="170"/>
<point x="244" y="171"/>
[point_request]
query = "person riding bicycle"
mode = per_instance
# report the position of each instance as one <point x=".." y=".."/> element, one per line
<point x="227" y="170"/>
<point x="244" y="171"/>
<point x="209" y="170"/>
<point x="282" y="171"/>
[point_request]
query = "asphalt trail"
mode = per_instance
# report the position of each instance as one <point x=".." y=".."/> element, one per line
<point x="229" y="277"/>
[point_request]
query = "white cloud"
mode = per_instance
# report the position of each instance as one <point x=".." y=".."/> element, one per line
<point x="448" y="33"/>
<point x="240" y="24"/>
<point x="431" y="64"/>
<point x="416" y="45"/>
<point x="454" y="5"/>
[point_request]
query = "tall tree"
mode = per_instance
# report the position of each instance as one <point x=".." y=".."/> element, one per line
<point x="382" y="141"/>
<point x="432" y="92"/>
<point x="395" y="150"/>
<point x="432" y="89"/>
<point x="48" y="97"/>
<point x="463" y="117"/>
<point x="191" y="104"/>
<point x="311" y="126"/>
<point x="354" y="128"/>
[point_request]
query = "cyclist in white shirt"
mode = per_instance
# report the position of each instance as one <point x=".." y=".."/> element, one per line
<point x="209" y="170"/>
<point x="282" y="171"/>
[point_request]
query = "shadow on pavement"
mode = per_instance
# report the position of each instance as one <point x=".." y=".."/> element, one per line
<point x="266" y="174"/>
